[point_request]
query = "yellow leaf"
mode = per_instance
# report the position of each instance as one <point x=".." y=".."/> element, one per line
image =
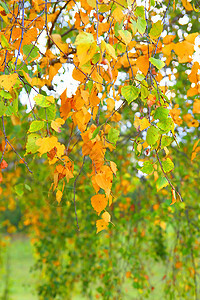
<point x="111" y="51"/>
<point x="85" y="52"/>
<point x="195" y="145"/>
<point x="49" y="143"/>
<point x="106" y="217"/>
<point x="104" y="181"/>
<point x="99" y="202"/>
<point x="196" y="106"/>
<point x="59" y="196"/>
<point x="187" y="5"/>
<point x="163" y="225"/>
<point x="110" y="104"/>
<point x="118" y="14"/>
<point x="184" y="50"/>
<point x="63" y="47"/>
<point x="8" y="81"/>
<point x="141" y="124"/>
<point x="101" y="225"/>
<point x="56" y="124"/>
<point x="126" y="36"/>
<point x="168" y="39"/>
<point x="191" y="37"/>
<point x="113" y="167"/>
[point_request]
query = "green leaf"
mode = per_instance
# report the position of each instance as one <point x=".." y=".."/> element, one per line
<point x="161" y="113"/>
<point x="15" y="106"/>
<point x="31" y="146"/>
<point x="27" y="187"/>
<point x="95" y="132"/>
<point x="159" y="64"/>
<point x="168" y="165"/>
<point x="4" y="6"/>
<point x="125" y="35"/>
<point x="130" y="93"/>
<point x="156" y="30"/>
<point x="141" y="25"/>
<point x="139" y="76"/>
<point x="144" y="91"/>
<point x="96" y="58"/>
<point x="161" y="182"/>
<point x="5" y="94"/>
<point x="2" y="108"/>
<point x="12" y="108"/>
<point x="4" y="42"/>
<point x="153" y="135"/>
<point x="48" y="113"/>
<point x="84" y="38"/>
<point x="19" y="189"/>
<point x="113" y="135"/>
<point x="166" y="141"/>
<point x="133" y="26"/>
<point x="31" y="52"/>
<point x="43" y="101"/>
<point x="166" y="125"/>
<point x="111" y="51"/>
<point x="139" y="12"/>
<point x="36" y="125"/>
<point x="147" y="167"/>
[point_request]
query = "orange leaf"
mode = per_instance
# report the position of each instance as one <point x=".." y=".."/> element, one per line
<point x="173" y="197"/>
<point x="128" y="274"/>
<point x="99" y="202"/>
<point x="142" y="63"/>
<point x="59" y="196"/>
<point x="196" y="106"/>
<point x="178" y="265"/>
<point x="187" y="5"/>
<point x="101" y="225"/>
<point x="3" y="164"/>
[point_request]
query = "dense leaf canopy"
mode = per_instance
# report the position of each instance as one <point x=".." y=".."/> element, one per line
<point x="99" y="107"/>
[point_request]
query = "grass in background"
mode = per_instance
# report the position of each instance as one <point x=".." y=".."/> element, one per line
<point x="15" y="269"/>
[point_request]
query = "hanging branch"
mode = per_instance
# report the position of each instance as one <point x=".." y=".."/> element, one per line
<point x="8" y="142"/>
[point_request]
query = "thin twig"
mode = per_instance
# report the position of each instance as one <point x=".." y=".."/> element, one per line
<point x="173" y="188"/>
<point x="75" y="182"/>
<point x="21" y="36"/>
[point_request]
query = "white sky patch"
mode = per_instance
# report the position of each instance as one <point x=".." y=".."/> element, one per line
<point x="28" y="100"/>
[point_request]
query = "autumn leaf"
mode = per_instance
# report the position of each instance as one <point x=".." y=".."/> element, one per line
<point x="8" y="81"/>
<point x="3" y="164"/>
<point x="161" y="183"/>
<point x="43" y="101"/>
<point x="99" y="202"/>
<point x="113" y="167"/>
<point x="101" y="225"/>
<point x="47" y="144"/>
<point x="59" y="196"/>
<point x="173" y="197"/>
<point x="57" y="124"/>
<point x="106" y="217"/>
